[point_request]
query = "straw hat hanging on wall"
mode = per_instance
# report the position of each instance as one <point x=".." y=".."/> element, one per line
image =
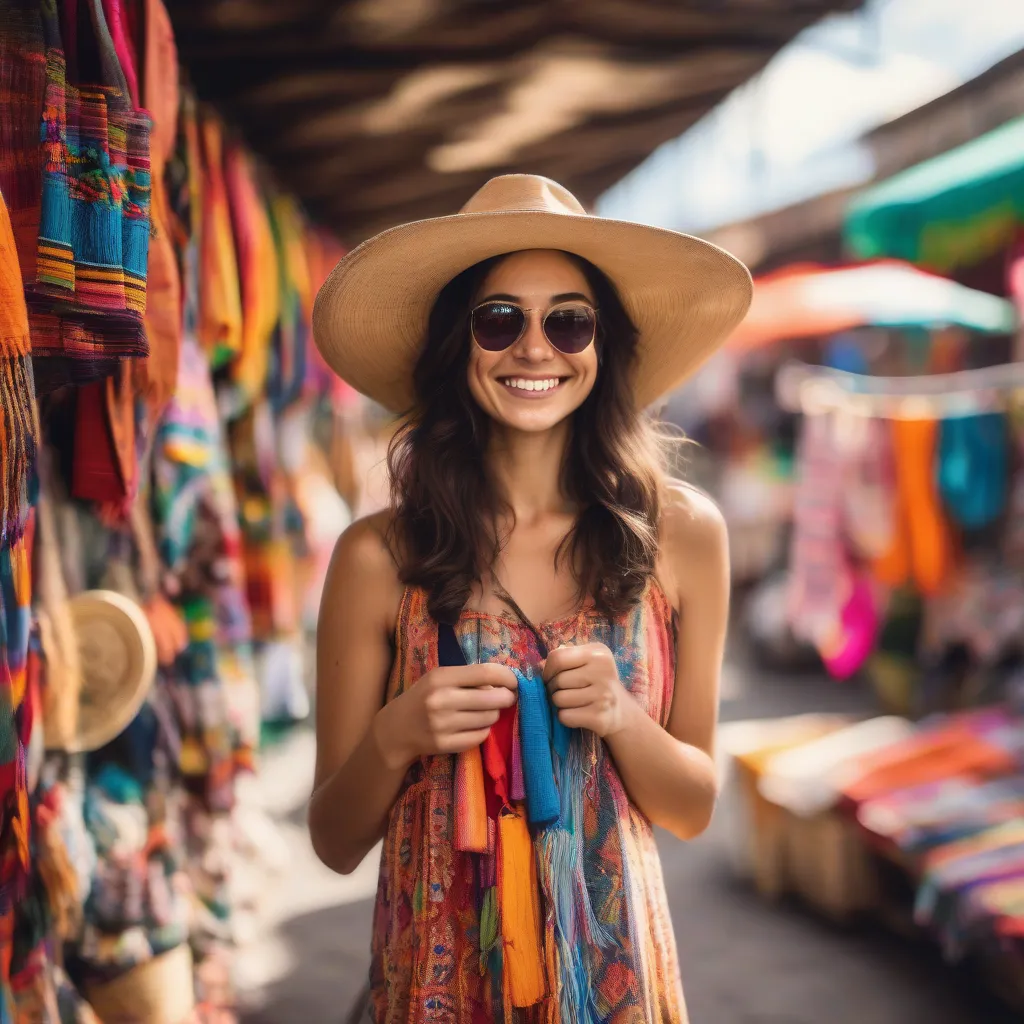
<point x="118" y="658"/>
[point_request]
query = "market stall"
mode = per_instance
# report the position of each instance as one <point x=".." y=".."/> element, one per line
<point x="884" y="317"/>
<point x="165" y="514"/>
<point x="905" y="562"/>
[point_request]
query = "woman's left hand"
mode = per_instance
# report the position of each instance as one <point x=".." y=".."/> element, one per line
<point x="585" y="687"/>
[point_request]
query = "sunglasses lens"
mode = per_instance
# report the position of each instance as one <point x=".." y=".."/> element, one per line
<point x="570" y="328"/>
<point x="497" y="326"/>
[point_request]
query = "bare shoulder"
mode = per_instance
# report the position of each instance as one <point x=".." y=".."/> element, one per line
<point x="694" y="551"/>
<point x="363" y="577"/>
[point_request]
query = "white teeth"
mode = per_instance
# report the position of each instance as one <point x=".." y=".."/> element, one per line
<point x="531" y="385"/>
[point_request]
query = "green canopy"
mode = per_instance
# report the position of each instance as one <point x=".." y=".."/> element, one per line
<point x="951" y="211"/>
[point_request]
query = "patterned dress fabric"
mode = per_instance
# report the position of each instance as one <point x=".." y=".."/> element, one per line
<point x="428" y="963"/>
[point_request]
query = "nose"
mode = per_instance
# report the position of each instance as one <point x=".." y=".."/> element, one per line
<point x="533" y="346"/>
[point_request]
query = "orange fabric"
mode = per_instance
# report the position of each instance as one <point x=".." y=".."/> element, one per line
<point x="158" y="374"/>
<point x="259" y="281"/>
<point x="471" y="832"/>
<point x="220" y="302"/>
<point x="922" y="548"/>
<point x="931" y="541"/>
<point x="928" y="757"/>
<point x="519" y="896"/>
<point x="14" y="337"/>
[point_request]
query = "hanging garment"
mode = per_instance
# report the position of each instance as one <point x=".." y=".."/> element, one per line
<point x="869" y="489"/>
<point x="18" y="427"/>
<point x="88" y="296"/>
<point x="289" y="354"/>
<point x="197" y="523"/>
<point x="163" y="319"/>
<point x="929" y="540"/>
<point x="15" y="723"/>
<point x="258" y="274"/>
<point x="220" y="301"/>
<point x="432" y="930"/>
<point x="22" y="85"/>
<point x="973" y="468"/>
<point x="820" y="582"/>
<point x="1013" y="538"/>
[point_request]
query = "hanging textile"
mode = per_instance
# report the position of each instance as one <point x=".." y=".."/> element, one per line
<point x="820" y="581"/>
<point x="89" y="291"/>
<point x="23" y="75"/>
<point x="200" y="541"/>
<point x="158" y="374"/>
<point x="18" y="431"/>
<point x="290" y="351"/>
<point x="257" y="273"/>
<point x="220" y="302"/>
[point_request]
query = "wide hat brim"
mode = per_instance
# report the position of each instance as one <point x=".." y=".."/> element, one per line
<point x="684" y="294"/>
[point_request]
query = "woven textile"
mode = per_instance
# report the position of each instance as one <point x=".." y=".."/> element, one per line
<point x="608" y="946"/>
<point x="200" y="542"/>
<point x="220" y="300"/>
<point x="22" y="85"/>
<point x="163" y="319"/>
<point x="18" y="433"/>
<point x="88" y="292"/>
<point x="258" y="273"/>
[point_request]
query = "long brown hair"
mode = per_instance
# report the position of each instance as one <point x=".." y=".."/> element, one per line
<point x="445" y="506"/>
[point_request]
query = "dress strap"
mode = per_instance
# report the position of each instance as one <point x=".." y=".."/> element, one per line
<point x="449" y="650"/>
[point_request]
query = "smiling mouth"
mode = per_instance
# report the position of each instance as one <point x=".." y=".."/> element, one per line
<point x="527" y="387"/>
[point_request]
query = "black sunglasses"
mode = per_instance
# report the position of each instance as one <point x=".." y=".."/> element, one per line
<point x="570" y="327"/>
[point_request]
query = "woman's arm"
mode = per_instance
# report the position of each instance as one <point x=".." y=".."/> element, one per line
<point x="364" y="746"/>
<point x="356" y="782"/>
<point x="669" y="773"/>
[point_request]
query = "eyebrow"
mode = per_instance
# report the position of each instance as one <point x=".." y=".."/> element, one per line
<point x="563" y="297"/>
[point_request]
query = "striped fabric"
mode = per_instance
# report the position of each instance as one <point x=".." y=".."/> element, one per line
<point x="88" y="291"/>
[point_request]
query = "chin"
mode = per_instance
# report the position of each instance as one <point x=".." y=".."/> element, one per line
<point x="532" y="415"/>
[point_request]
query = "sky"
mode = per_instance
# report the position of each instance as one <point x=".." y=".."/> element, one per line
<point x="792" y="132"/>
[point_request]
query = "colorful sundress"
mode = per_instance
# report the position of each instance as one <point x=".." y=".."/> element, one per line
<point x="427" y="962"/>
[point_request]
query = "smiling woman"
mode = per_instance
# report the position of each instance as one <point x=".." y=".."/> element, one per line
<point x="449" y="509"/>
<point x="514" y="752"/>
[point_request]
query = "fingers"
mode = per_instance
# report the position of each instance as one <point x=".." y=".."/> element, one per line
<point x="454" y="698"/>
<point x="566" y="659"/>
<point x="574" y="697"/>
<point x="469" y="676"/>
<point x="576" y="718"/>
<point x="573" y="679"/>
<point x="467" y="721"/>
<point x="458" y="742"/>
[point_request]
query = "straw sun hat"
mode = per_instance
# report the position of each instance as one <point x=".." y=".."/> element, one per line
<point x="118" y="663"/>
<point x="685" y="295"/>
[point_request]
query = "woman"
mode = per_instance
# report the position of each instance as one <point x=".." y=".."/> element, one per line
<point x="537" y="587"/>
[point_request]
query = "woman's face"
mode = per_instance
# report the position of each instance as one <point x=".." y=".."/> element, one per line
<point x="531" y="386"/>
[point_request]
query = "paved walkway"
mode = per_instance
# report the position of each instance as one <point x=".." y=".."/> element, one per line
<point x="743" y="962"/>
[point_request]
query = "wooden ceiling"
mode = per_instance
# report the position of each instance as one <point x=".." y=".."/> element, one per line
<point x="378" y="111"/>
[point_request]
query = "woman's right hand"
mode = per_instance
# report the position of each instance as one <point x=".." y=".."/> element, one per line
<point x="448" y="710"/>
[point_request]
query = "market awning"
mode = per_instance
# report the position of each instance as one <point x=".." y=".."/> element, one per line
<point x="378" y="111"/>
<point x="951" y="211"/>
<point x="801" y="302"/>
